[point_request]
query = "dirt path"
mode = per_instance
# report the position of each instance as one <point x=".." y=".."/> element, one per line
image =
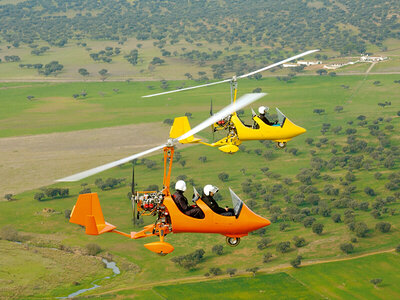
<point x="370" y="67"/>
<point x="29" y="162"/>
<point x="263" y="270"/>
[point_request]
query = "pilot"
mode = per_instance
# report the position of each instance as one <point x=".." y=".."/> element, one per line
<point x="208" y="193"/>
<point x="182" y="203"/>
<point x="262" y="110"/>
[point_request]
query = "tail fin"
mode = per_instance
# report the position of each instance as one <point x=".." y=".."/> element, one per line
<point x="87" y="212"/>
<point x="181" y="125"/>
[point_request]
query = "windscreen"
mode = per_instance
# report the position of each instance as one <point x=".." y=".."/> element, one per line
<point x="281" y="116"/>
<point x="237" y="203"/>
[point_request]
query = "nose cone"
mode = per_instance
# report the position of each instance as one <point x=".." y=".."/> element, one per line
<point x="300" y="130"/>
<point x="260" y="222"/>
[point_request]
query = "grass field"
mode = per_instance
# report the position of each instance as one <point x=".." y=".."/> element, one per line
<point x="56" y="110"/>
<point x="336" y="280"/>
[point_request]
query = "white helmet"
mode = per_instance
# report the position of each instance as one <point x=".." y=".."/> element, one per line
<point x="180" y="185"/>
<point x="263" y="109"/>
<point x="210" y="188"/>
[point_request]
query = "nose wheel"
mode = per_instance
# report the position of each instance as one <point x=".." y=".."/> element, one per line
<point x="233" y="242"/>
<point x="281" y="145"/>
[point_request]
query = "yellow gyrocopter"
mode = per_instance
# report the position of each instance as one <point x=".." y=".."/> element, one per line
<point x="237" y="132"/>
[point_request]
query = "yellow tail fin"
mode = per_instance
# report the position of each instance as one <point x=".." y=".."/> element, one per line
<point x="181" y="125"/>
<point x="87" y="212"/>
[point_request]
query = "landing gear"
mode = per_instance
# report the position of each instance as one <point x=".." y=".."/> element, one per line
<point x="281" y="145"/>
<point x="233" y="242"/>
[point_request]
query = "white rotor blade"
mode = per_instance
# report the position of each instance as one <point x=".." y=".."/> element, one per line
<point x="110" y="165"/>
<point x="188" y="88"/>
<point x="239" y="104"/>
<point x="241" y="76"/>
<point x="278" y="63"/>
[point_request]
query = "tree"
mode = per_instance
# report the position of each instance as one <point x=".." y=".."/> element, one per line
<point x="223" y="176"/>
<point x="215" y="271"/>
<point x="30" y="97"/>
<point x="283" y="247"/>
<point x="318" y="228"/>
<point x="369" y="191"/>
<point x="267" y="257"/>
<point x="347" y="247"/>
<point x="203" y="159"/>
<point x="93" y="249"/>
<point x="83" y="72"/>
<point x="67" y="213"/>
<point x="253" y="270"/>
<point x="104" y="74"/>
<point x="336" y="218"/>
<point x="283" y="226"/>
<point x="39" y="196"/>
<point x="376" y="281"/>
<point x="231" y="271"/>
<point x="157" y="61"/>
<point x="9" y="233"/>
<point x="361" y="229"/>
<point x="383" y="226"/>
<point x="318" y="111"/>
<point x="398" y="248"/>
<point x="338" y="109"/>
<point x="299" y="241"/>
<point x="218" y="249"/>
<point x="263" y="243"/>
<point x="296" y="262"/>
<point x="8" y="197"/>
<point x="321" y="72"/>
<point x="189" y="115"/>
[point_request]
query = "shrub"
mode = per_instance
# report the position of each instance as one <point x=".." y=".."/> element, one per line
<point x="39" y="196"/>
<point x="296" y="262"/>
<point x="67" y="213"/>
<point x="383" y="226"/>
<point x="299" y="241"/>
<point x="223" y="176"/>
<point x="263" y="243"/>
<point x="253" y="270"/>
<point x="376" y="281"/>
<point x="218" y="249"/>
<point x="9" y="233"/>
<point x="283" y="247"/>
<point x="318" y="228"/>
<point x="231" y="271"/>
<point x="336" y="218"/>
<point x="93" y="249"/>
<point x="190" y="260"/>
<point x="398" y="248"/>
<point x="267" y="256"/>
<point x="215" y="271"/>
<point x="361" y="229"/>
<point x="347" y="247"/>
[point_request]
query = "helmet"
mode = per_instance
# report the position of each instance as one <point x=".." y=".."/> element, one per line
<point x="210" y="188"/>
<point x="263" y="109"/>
<point x="180" y="185"/>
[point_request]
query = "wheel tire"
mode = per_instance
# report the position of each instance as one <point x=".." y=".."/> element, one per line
<point x="233" y="242"/>
<point x="281" y="145"/>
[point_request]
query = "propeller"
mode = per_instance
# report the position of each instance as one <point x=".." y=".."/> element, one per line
<point x="239" y="104"/>
<point x="212" y="125"/>
<point x="237" y="77"/>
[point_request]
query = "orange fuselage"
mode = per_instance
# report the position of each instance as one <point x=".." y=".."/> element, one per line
<point x="214" y="223"/>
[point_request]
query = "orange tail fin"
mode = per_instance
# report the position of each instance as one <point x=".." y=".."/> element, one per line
<point x="87" y="212"/>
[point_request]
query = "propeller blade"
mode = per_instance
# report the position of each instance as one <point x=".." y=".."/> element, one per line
<point x="240" y="103"/>
<point x="212" y="125"/>
<point x="188" y="88"/>
<point x="241" y="76"/>
<point x="133" y="195"/>
<point x="278" y="63"/>
<point x="110" y="165"/>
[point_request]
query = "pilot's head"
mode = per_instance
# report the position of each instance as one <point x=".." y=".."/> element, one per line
<point x="210" y="190"/>
<point x="263" y="109"/>
<point x="180" y="185"/>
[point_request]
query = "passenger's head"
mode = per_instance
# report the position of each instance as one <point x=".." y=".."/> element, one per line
<point x="180" y="185"/>
<point x="210" y="190"/>
<point x="263" y="109"/>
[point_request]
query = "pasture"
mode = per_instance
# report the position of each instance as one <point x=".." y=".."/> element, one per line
<point x="59" y="113"/>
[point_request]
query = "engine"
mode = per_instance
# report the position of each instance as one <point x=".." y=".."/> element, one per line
<point x="148" y="201"/>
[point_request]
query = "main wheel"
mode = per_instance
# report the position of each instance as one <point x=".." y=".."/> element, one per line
<point x="281" y="145"/>
<point x="233" y="242"/>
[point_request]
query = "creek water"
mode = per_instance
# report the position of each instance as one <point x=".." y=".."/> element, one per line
<point x="109" y="265"/>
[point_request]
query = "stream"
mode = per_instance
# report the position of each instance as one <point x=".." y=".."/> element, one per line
<point x="109" y="265"/>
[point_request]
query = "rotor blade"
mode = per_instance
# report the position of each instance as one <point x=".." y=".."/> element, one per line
<point x="188" y="88"/>
<point x="278" y="63"/>
<point x="241" y="76"/>
<point x="240" y="103"/>
<point x="110" y="165"/>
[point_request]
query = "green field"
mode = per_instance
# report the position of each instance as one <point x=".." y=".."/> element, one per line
<point x="54" y="110"/>
<point x="336" y="280"/>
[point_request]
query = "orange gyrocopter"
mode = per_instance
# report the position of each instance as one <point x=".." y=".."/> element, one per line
<point x="88" y="213"/>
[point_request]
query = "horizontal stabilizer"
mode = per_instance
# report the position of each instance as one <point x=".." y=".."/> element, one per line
<point x="181" y="126"/>
<point x="87" y="212"/>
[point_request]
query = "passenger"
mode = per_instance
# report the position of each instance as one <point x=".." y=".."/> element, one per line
<point x="262" y="110"/>
<point x="208" y="193"/>
<point x="182" y="203"/>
